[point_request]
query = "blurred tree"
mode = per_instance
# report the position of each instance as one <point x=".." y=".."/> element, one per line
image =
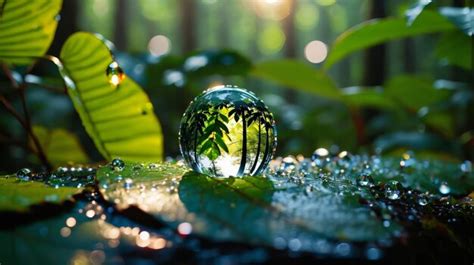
<point x="188" y="28"/>
<point x="291" y="42"/>
<point x="121" y="26"/>
<point x="374" y="70"/>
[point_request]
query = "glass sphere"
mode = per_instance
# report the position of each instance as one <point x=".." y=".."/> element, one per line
<point x="227" y="131"/>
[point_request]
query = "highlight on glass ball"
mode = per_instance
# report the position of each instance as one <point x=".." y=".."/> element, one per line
<point x="227" y="131"/>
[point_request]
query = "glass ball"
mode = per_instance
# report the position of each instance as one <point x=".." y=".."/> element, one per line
<point x="227" y="131"/>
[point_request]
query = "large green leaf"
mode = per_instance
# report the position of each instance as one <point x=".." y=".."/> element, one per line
<point x="119" y="118"/>
<point x="413" y="92"/>
<point x="255" y="210"/>
<point x="377" y="31"/>
<point x="16" y="195"/>
<point x="60" y="146"/>
<point x="298" y="75"/>
<point x="27" y="29"/>
<point x="456" y="48"/>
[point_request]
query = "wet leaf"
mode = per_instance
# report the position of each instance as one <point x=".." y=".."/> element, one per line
<point x="297" y="75"/>
<point x="16" y="195"/>
<point x="378" y="31"/>
<point x="60" y="146"/>
<point x="112" y="107"/>
<point x="253" y="210"/>
<point x="27" y="29"/>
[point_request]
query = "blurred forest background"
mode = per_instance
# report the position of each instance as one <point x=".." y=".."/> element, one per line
<point x="177" y="48"/>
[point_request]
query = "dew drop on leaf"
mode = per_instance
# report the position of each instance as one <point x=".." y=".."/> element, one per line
<point x="227" y="131"/>
<point x="466" y="166"/>
<point x="115" y="74"/>
<point x="24" y="174"/>
<point x="422" y="200"/>
<point x="365" y="180"/>
<point x="392" y="190"/>
<point x="117" y="164"/>
<point x="444" y="188"/>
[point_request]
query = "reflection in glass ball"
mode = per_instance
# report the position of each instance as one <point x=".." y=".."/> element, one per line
<point x="227" y="131"/>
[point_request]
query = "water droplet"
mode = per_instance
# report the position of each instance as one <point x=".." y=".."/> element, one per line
<point x="422" y="200"/>
<point x="24" y="174"/>
<point x="128" y="183"/>
<point x="153" y="166"/>
<point x="365" y="180"/>
<point x="115" y="74"/>
<point x="227" y="131"/>
<point x="392" y="190"/>
<point x="288" y="164"/>
<point x="147" y="108"/>
<point x="444" y="188"/>
<point x="466" y="166"/>
<point x="57" y="17"/>
<point x="373" y="253"/>
<point x="117" y="164"/>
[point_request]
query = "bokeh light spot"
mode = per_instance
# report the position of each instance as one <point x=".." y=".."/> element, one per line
<point x="159" y="45"/>
<point x="316" y="51"/>
<point x="271" y="40"/>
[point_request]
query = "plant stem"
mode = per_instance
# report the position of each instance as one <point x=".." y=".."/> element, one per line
<point x="25" y="122"/>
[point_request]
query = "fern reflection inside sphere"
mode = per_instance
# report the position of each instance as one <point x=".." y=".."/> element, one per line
<point x="227" y="131"/>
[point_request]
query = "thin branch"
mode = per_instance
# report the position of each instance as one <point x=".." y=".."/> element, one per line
<point x="26" y="121"/>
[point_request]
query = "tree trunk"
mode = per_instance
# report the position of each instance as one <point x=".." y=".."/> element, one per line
<point x="121" y="25"/>
<point x="188" y="29"/>
<point x="288" y="24"/>
<point x="265" y="153"/>
<point x="243" y="159"/>
<point x="409" y="58"/>
<point x="258" y="147"/>
<point x="375" y="60"/>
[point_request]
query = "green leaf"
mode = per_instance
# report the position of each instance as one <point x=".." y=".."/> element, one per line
<point x="378" y="31"/>
<point x="414" y="11"/>
<point x="456" y="48"/>
<point x="18" y="196"/>
<point x="60" y="146"/>
<point x="249" y="209"/>
<point x="120" y="118"/>
<point x="414" y="92"/>
<point x="462" y="17"/>
<point x="221" y="143"/>
<point x="414" y="141"/>
<point x="298" y="75"/>
<point x="27" y="29"/>
<point x="368" y="97"/>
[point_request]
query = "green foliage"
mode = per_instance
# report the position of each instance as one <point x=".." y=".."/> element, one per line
<point x="61" y="147"/>
<point x="461" y="17"/>
<point x="299" y="75"/>
<point x="18" y="196"/>
<point x="377" y="31"/>
<point x="248" y="209"/>
<point x="456" y="48"/>
<point x="413" y="93"/>
<point x="118" y="117"/>
<point x="27" y="29"/>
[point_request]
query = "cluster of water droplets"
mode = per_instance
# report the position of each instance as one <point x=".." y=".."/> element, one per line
<point x="74" y="176"/>
<point x="404" y="189"/>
